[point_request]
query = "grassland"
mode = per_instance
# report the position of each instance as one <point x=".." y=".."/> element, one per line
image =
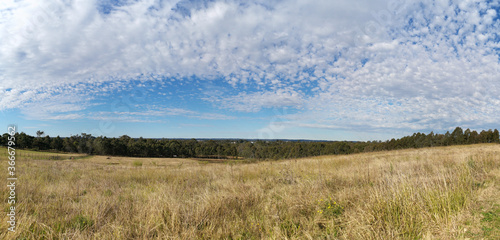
<point x="436" y="193"/>
<point x="40" y="155"/>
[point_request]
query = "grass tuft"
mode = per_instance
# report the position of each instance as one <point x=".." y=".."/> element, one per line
<point x="81" y="223"/>
<point x="137" y="163"/>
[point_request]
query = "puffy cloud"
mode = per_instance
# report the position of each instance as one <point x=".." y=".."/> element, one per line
<point x="254" y="102"/>
<point x="55" y="42"/>
<point x="154" y="115"/>
<point x="372" y="64"/>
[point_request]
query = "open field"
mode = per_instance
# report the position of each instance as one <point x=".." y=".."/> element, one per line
<point x="40" y="155"/>
<point x="434" y="193"/>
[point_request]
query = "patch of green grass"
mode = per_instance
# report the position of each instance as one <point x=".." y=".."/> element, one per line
<point x="137" y="163"/>
<point x="41" y="155"/>
<point x="491" y="223"/>
<point x="81" y="222"/>
<point x="441" y="203"/>
<point x="398" y="213"/>
<point x="80" y="157"/>
<point x="290" y="228"/>
<point x="108" y="193"/>
<point x="330" y="208"/>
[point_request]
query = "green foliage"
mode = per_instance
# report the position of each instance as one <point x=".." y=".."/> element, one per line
<point x="444" y="203"/>
<point x="81" y="222"/>
<point x="491" y="222"/>
<point x="492" y="216"/>
<point x="400" y="214"/>
<point x="329" y="208"/>
<point x="332" y="209"/>
<point x="248" y="149"/>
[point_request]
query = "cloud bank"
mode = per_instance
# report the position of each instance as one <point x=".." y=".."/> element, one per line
<point x="370" y="64"/>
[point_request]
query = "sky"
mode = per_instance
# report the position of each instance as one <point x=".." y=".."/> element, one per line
<point x="283" y="69"/>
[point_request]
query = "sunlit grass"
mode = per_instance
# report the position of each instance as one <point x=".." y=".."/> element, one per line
<point x="437" y="193"/>
<point x="39" y="155"/>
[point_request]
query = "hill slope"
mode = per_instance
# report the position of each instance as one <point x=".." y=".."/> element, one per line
<point x="443" y="193"/>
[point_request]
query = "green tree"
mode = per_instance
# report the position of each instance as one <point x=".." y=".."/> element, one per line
<point x="57" y="143"/>
<point x="4" y="139"/>
<point x="457" y="136"/>
<point x="24" y="140"/>
<point x="496" y="136"/>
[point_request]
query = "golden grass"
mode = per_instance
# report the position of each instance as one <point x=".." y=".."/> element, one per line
<point x="39" y="155"/>
<point x="435" y="193"/>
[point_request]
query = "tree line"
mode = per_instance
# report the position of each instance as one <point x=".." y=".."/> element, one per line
<point x="250" y="149"/>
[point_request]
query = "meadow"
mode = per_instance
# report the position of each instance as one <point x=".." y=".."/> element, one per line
<point x="40" y="155"/>
<point x="428" y="193"/>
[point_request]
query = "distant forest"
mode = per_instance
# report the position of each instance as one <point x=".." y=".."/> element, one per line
<point x="248" y="149"/>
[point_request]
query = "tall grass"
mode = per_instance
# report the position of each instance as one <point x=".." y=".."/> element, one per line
<point x="409" y="194"/>
<point x="39" y="155"/>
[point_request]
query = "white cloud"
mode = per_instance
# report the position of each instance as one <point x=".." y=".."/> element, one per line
<point x="254" y="102"/>
<point x="155" y="115"/>
<point x="54" y="42"/>
<point x="377" y="64"/>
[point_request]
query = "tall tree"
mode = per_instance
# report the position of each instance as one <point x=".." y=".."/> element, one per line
<point x="39" y="133"/>
<point x="458" y="136"/>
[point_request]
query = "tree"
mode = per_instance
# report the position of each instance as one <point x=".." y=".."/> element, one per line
<point x="458" y="136"/>
<point x="4" y="139"/>
<point x="46" y="142"/>
<point x="38" y="143"/>
<point x="467" y="136"/>
<point x="474" y="137"/>
<point x="24" y="140"/>
<point x="119" y="146"/>
<point x="57" y="143"/>
<point x="68" y="145"/>
<point x="246" y="150"/>
<point x="496" y="136"/>
<point x="39" y="133"/>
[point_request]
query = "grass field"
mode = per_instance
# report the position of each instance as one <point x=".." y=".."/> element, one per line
<point x="436" y="193"/>
<point x="39" y="155"/>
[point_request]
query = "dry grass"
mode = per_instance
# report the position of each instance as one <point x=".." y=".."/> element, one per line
<point x="38" y="155"/>
<point x="438" y="193"/>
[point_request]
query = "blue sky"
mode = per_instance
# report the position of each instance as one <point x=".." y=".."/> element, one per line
<point x="330" y="70"/>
